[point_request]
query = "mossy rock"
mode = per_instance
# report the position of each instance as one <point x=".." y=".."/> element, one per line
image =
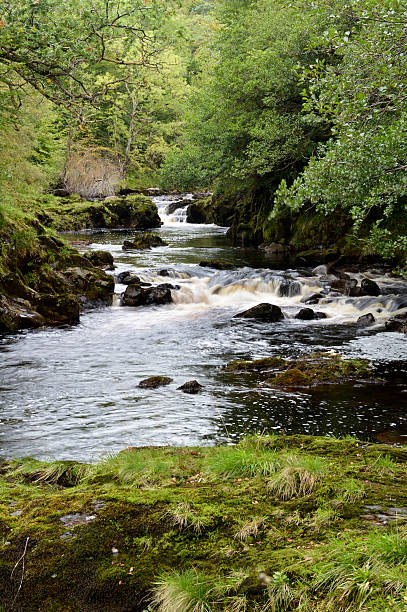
<point x="258" y="365"/>
<point x="143" y="241"/>
<point x="153" y="382"/>
<point x="292" y="377"/>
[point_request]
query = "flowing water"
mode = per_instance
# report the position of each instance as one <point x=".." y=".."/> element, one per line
<point x="72" y="393"/>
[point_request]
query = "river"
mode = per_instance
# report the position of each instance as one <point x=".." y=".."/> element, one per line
<point x="73" y="393"/>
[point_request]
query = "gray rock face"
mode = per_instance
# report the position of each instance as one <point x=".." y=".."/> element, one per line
<point x="268" y="313"/>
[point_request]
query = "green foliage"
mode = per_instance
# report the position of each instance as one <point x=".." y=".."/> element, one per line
<point x="362" y="93"/>
<point x="244" y="117"/>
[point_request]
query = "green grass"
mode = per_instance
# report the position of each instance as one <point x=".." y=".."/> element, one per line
<point x="189" y="536"/>
<point x="241" y="461"/>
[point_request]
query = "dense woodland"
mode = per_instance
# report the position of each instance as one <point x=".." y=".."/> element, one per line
<point x="292" y="107"/>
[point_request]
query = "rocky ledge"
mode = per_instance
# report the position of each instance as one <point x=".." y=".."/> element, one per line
<point x="74" y="213"/>
<point x="51" y="284"/>
<point x="311" y="523"/>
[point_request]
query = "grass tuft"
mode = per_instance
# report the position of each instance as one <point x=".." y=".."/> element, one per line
<point x="240" y="461"/>
<point x="250" y="528"/>
<point x="182" y="592"/>
<point x="184" y="517"/>
<point x="299" y="477"/>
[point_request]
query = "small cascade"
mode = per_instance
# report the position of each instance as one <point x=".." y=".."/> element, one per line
<point x="173" y="208"/>
<point x="246" y="287"/>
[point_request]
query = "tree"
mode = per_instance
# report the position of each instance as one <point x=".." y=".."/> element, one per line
<point x="54" y="46"/>
<point x="362" y="168"/>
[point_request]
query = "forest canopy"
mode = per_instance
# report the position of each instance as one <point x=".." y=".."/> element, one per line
<point x="304" y="101"/>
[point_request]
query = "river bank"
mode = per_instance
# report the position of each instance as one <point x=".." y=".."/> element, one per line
<point x="274" y="523"/>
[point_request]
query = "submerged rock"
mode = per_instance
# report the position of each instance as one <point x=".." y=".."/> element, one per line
<point x="263" y="312"/>
<point x="136" y="295"/>
<point x="192" y="386"/>
<point x="365" y="320"/>
<point x="216" y="265"/>
<point x="153" y="382"/>
<point x="143" y="241"/>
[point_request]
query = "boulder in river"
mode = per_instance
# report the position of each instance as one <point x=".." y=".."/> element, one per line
<point x="397" y="324"/>
<point x="311" y="298"/>
<point x="369" y="287"/>
<point x="101" y="259"/>
<point x="136" y="295"/>
<point x="262" y="312"/>
<point x="366" y="320"/>
<point x="143" y="241"/>
<point x="344" y="285"/>
<point x="192" y="387"/>
<point x="306" y="314"/>
<point x="153" y="382"/>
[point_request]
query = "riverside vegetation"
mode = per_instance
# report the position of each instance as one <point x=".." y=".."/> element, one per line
<point x="274" y="523"/>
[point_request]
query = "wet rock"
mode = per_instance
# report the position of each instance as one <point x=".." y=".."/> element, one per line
<point x="306" y="314"/>
<point x="216" y="265"/>
<point x="173" y="206"/>
<point x="311" y="298"/>
<point x="369" y="287"/>
<point x="169" y="286"/>
<point x="355" y="292"/>
<point x="122" y="276"/>
<point x="136" y="295"/>
<point x="365" y="320"/>
<point x="93" y="286"/>
<point x="320" y="315"/>
<point x="79" y="518"/>
<point x="59" y="309"/>
<point x="143" y="241"/>
<point x="164" y="273"/>
<point x="257" y="365"/>
<point x="262" y="312"/>
<point x="344" y="285"/>
<point x="192" y="386"/>
<point x="101" y="259"/>
<point x="153" y="382"/>
<point x="397" y="324"/>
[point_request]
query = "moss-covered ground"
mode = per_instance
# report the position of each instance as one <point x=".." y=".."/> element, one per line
<point x="274" y="523"/>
